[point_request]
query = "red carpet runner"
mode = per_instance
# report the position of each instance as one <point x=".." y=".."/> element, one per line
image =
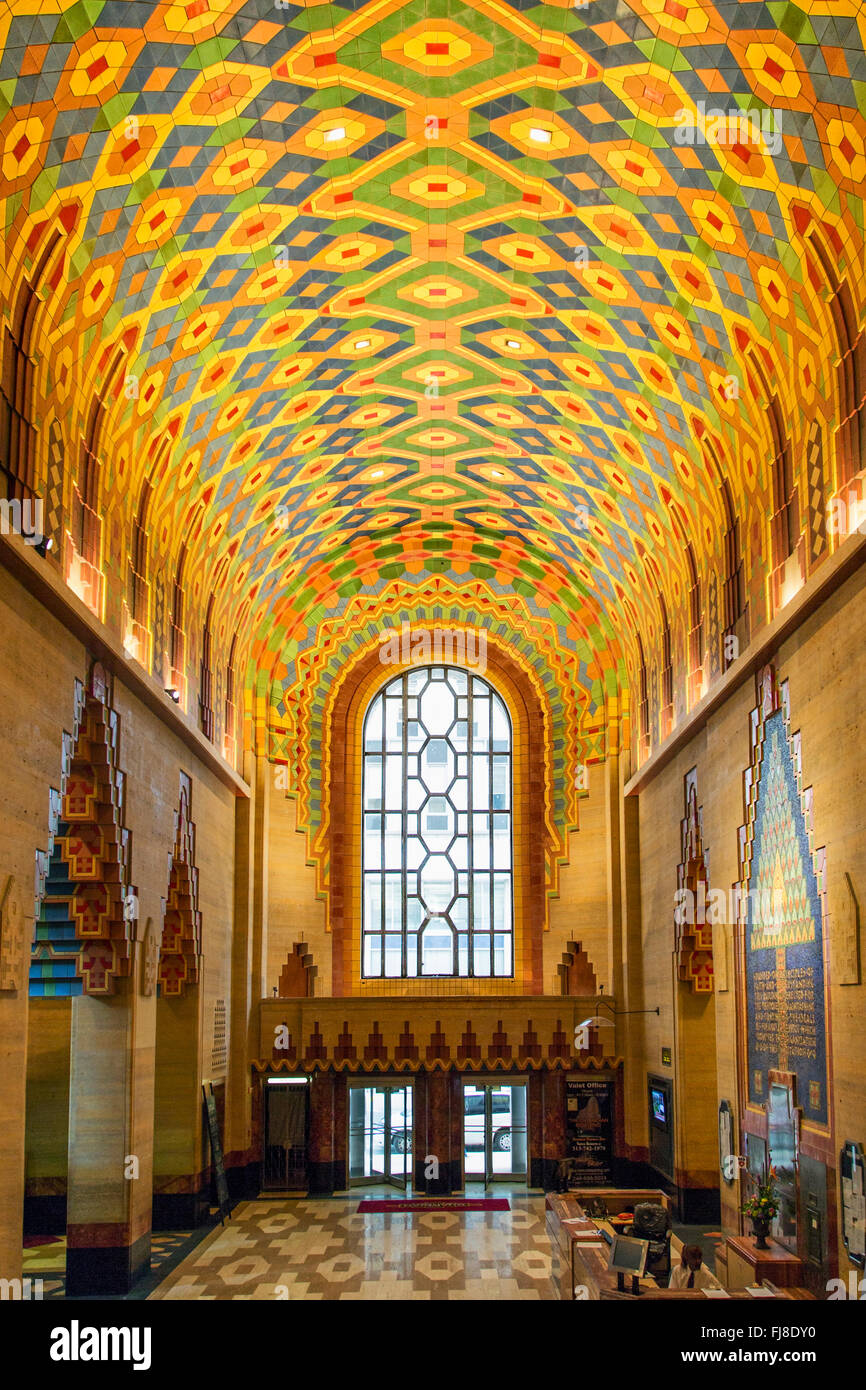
<point x="410" y="1204"/>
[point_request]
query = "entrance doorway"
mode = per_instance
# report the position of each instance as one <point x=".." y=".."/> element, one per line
<point x="494" y="1131"/>
<point x="380" y="1134"/>
<point x="284" y="1156"/>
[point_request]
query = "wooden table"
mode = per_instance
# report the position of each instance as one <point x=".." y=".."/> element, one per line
<point x="748" y="1265"/>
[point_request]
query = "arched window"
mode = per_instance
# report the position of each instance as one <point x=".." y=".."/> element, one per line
<point x="851" y="371"/>
<point x="138" y="566"/>
<point x="177" y="632"/>
<point x="437" y="851"/>
<point x="667" y="660"/>
<point x="785" y="523"/>
<point x="17" y="431"/>
<point x="696" y="620"/>
<point x="643" y="704"/>
<point x="229" y="712"/>
<point x="205" y="685"/>
<point x="734" y="583"/>
<point x="17" y="428"/>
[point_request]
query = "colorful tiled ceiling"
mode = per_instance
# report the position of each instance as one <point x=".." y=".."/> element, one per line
<point x="431" y="290"/>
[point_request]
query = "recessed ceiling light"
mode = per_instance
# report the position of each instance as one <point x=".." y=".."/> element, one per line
<point x="513" y="343"/>
<point x="337" y="132"/>
<point x="378" y="473"/>
<point x="495" y="473"/>
<point x="361" y="343"/>
<point x="539" y="135"/>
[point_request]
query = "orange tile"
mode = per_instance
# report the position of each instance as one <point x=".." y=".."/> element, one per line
<point x="835" y="60"/>
<point x="34" y="57"/>
<point x="185" y="156"/>
<point x="75" y="147"/>
<point x="159" y="79"/>
<point x="712" y="79"/>
<point x="263" y="32"/>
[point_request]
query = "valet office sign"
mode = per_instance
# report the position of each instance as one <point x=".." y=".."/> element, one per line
<point x="589" y="1127"/>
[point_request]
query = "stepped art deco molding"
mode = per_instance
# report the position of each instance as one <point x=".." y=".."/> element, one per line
<point x="180" y="946"/>
<point x="87" y="911"/>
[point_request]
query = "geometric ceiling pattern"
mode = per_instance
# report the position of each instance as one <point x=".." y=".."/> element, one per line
<point x="426" y="307"/>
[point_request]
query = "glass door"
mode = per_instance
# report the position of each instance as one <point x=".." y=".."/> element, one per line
<point x="380" y="1134"/>
<point x="477" y="1146"/>
<point x="494" y="1132"/>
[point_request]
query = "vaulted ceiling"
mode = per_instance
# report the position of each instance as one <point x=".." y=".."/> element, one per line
<point x="428" y="308"/>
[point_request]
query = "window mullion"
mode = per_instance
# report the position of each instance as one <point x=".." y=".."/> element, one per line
<point x="404" y="831"/>
<point x="382" y="861"/>
<point x="490" y="839"/>
<point x="470" y="829"/>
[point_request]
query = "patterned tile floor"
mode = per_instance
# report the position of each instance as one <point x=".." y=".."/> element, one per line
<point x="322" y="1249"/>
<point x="47" y="1260"/>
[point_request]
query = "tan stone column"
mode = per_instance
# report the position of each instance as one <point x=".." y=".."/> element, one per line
<point x="248" y="967"/>
<point x="180" y="1188"/>
<point x="13" y="1070"/>
<point x="242" y="1156"/>
<point x="110" y="1119"/>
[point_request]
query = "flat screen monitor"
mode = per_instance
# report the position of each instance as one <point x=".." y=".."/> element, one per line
<point x="628" y="1255"/>
<point x="660" y="1111"/>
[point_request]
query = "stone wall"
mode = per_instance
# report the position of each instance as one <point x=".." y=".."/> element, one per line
<point x="824" y="663"/>
<point x="41" y="661"/>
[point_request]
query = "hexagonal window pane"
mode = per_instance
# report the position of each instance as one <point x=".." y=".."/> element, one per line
<point x="437" y="762"/>
<point x="437" y="708"/>
<point x="437" y="824"/>
<point x="437" y="883"/>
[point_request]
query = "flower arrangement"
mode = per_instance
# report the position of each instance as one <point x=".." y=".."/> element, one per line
<point x="763" y="1205"/>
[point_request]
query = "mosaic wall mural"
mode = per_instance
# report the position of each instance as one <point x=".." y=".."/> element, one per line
<point x="783" y="885"/>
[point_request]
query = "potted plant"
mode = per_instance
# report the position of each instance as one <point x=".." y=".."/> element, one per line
<point x="763" y="1208"/>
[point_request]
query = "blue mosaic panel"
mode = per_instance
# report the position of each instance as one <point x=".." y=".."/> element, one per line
<point x="784" y="938"/>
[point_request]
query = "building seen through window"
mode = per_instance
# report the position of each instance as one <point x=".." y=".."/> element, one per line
<point x="437" y="858"/>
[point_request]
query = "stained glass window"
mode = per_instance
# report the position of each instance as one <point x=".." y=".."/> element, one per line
<point x="437" y="856"/>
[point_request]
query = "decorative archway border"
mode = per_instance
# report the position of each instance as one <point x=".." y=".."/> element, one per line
<point x="534" y="838"/>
